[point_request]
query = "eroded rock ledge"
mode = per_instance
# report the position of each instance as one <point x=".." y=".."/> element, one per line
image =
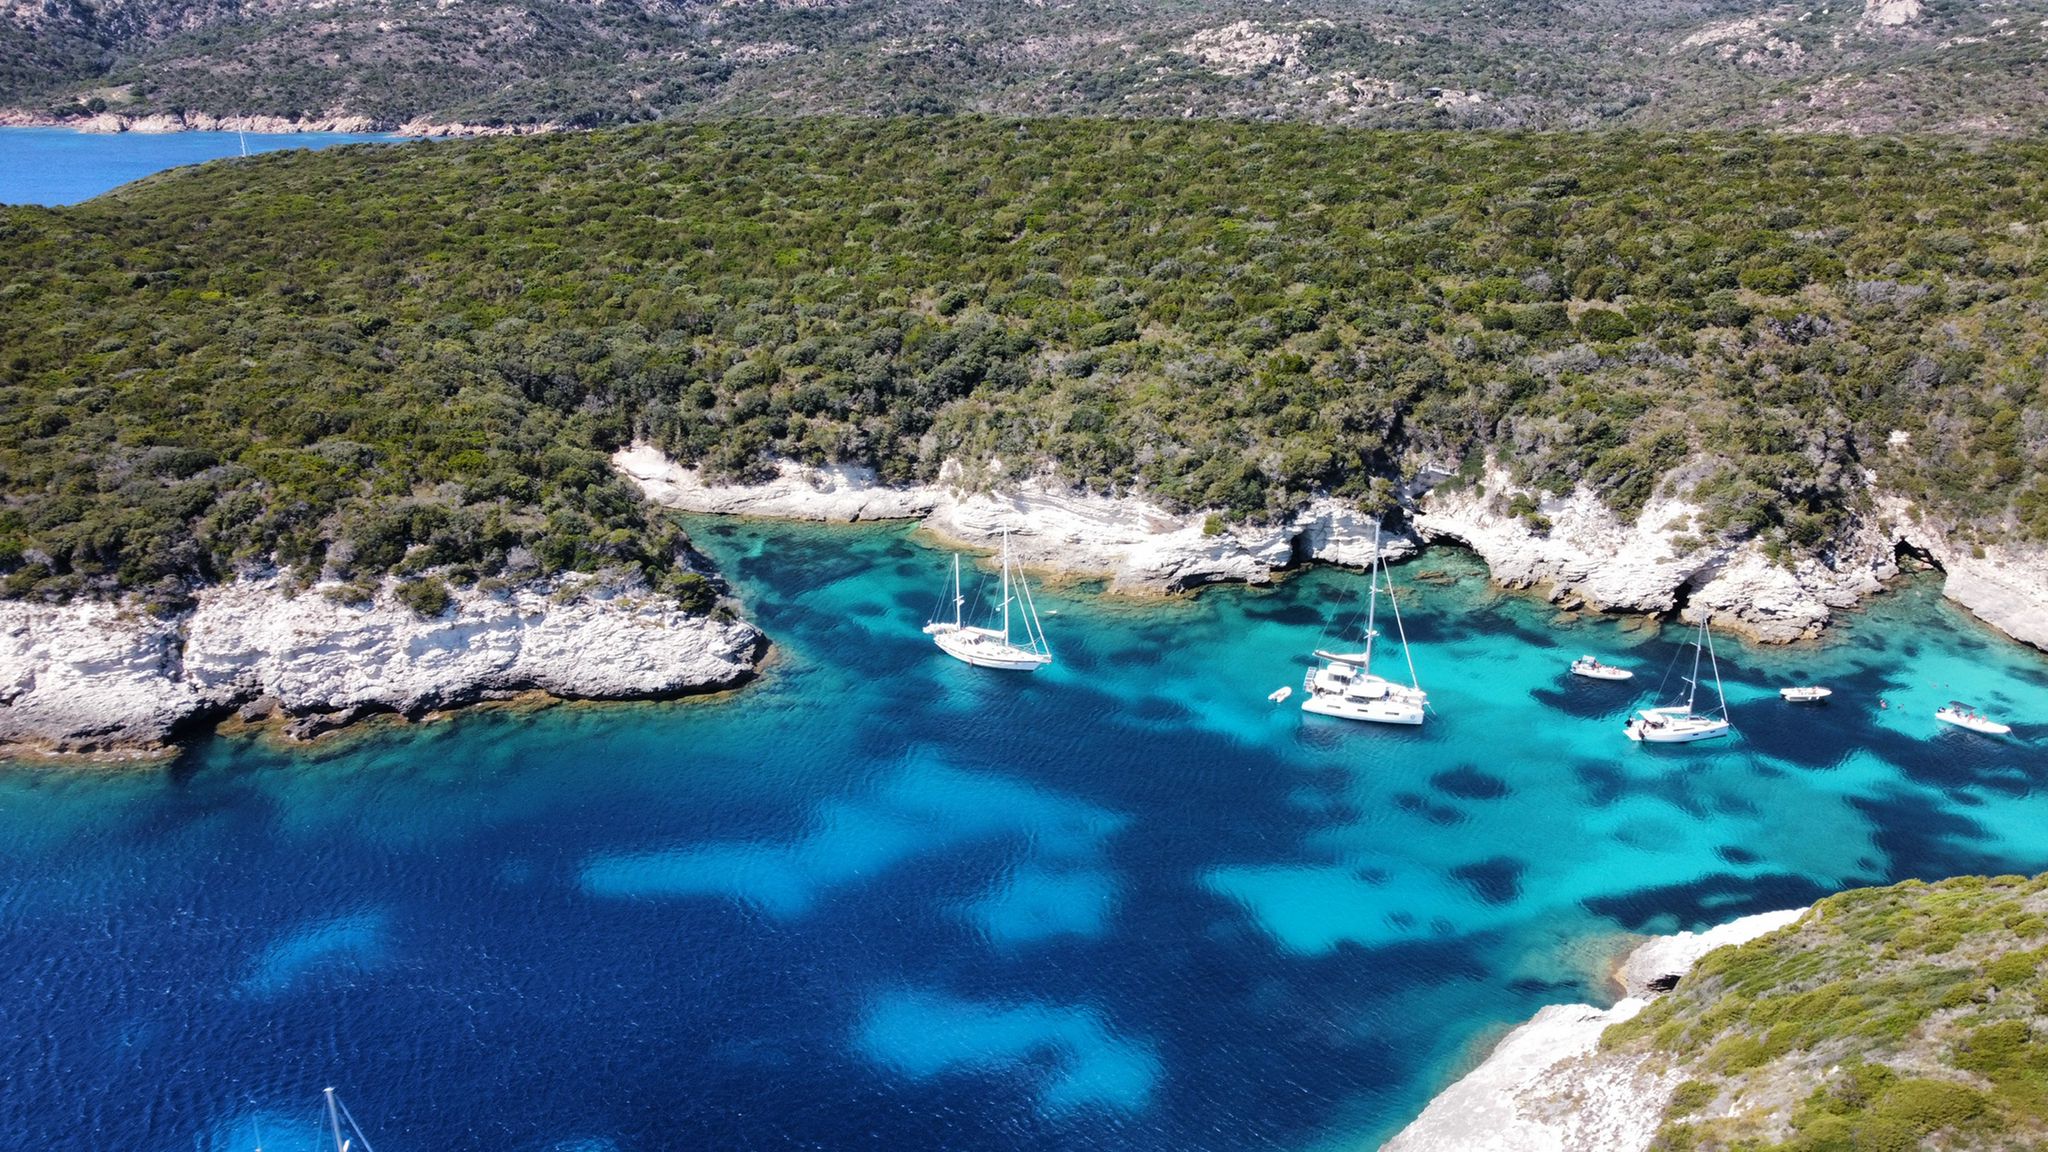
<point x="343" y="122"/>
<point x="1138" y="546"/>
<point x="1585" y="557"/>
<point x="112" y="680"/>
<point x="1547" y="1087"/>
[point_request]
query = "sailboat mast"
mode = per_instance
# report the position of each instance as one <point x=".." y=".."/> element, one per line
<point x="1006" y="587"/>
<point x="1715" y="662"/>
<point x="334" y="1121"/>
<point x="1692" y="684"/>
<point x="1372" y="597"/>
<point x="959" y="601"/>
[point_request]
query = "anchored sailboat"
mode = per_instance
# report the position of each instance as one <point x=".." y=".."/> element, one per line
<point x="1681" y="724"/>
<point x="994" y="647"/>
<point x="1344" y="685"/>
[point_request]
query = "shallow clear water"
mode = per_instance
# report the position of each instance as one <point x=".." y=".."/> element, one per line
<point x="883" y="900"/>
<point x="59" y="166"/>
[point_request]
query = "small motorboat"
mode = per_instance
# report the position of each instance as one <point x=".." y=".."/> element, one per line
<point x="1963" y="716"/>
<point x="1280" y="694"/>
<point x="1594" y="670"/>
<point x="1806" y="694"/>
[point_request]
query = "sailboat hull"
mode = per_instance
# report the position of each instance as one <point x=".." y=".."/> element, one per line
<point x="972" y="646"/>
<point x="1371" y="711"/>
<point x="1674" y="726"/>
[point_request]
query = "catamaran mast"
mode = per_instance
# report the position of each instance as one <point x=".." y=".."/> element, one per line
<point x="1372" y="597"/>
<point x="1400" y="629"/>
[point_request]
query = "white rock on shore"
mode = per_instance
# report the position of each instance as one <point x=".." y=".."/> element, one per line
<point x="98" y="678"/>
<point x="1588" y="556"/>
<point x="345" y="122"/>
<point x="1139" y="546"/>
<point x="1546" y="1087"/>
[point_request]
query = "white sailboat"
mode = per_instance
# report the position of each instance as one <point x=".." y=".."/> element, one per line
<point x="1681" y="724"/>
<point x="1344" y="685"/>
<point x="994" y="647"/>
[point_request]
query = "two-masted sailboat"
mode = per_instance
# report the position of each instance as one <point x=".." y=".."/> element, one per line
<point x="1681" y="724"/>
<point x="1344" y="685"/>
<point x="995" y="647"/>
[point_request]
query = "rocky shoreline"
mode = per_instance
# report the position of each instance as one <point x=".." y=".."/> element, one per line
<point x="110" y="123"/>
<point x="1546" y="1087"/>
<point x="114" y="682"/>
<point x="1572" y="548"/>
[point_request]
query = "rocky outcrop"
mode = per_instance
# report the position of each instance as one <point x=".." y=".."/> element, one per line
<point x="1137" y="545"/>
<point x="1586" y="556"/>
<point x="1547" y="1087"/>
<point x="102" y="678"/>
<point x="2004" y="585"/>
<point x="1581" y="554"/>
<point x="344" y="122"/>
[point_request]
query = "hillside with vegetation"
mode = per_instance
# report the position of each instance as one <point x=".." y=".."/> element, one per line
<point x="1903" y="1018"/>
<point x="1848" y="65"/>
<point x="412" y="358"/>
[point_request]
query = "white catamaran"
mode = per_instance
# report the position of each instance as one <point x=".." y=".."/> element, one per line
<point x="1343" y="683"/>
<point x="994" y="647"/>
<point x="1681" y="724"/>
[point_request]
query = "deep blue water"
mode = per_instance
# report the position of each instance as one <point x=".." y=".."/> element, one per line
<point x="880" y="900"/>
<point x="59" y="166"/>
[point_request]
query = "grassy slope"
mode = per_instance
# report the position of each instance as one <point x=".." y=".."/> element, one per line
<point x="416" y="357"/>
<point x="1892" y="1018"/>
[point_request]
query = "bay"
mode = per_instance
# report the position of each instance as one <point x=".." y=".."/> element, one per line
<point x="882" y="900"/>
<point x="54" y="166"/>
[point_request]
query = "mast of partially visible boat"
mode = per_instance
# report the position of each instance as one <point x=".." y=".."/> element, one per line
<point x="334" y="1123"/>
<point x="959" y="601"/>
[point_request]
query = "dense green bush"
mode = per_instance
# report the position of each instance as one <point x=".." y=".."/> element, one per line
<point x="416" y="359"/>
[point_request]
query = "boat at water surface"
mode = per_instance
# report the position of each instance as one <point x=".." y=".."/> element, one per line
<point x="1681" y="724"/>
<point x="1344" y="685"/>
<point x="994" y="647"/>
<point x="1963" y="716"/>
<point x="1593" y="669"/>
<point x="1805" y="694"/>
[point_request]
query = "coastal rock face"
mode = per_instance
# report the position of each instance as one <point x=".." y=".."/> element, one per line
<point x="2004" y="585"/>
<point x="102" y="678"/>
<point x="1139" y="546"/>
<point x="1547" y="1087"/>
<point x="162" y="122"/>
<point x="1587" y="556"/>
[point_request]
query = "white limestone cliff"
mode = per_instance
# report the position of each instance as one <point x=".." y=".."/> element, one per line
<point x="1588" y="557"/>
<point x="1138" y="545"/>
<point x="1546" y="1087"/>
<point x="100" y="678"/>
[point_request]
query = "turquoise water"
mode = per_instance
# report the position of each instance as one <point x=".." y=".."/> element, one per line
<point x="59" y="166"/>
<point x="882" y="900"/>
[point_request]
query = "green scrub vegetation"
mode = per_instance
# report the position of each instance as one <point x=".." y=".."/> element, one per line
<point x="1889" y="1018"/>
<point x="416" y="359"/>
